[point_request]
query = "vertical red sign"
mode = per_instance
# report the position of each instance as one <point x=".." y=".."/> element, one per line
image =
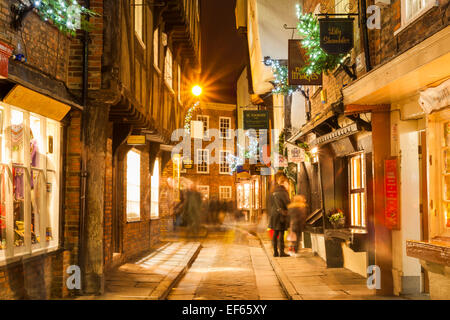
<point x="392" y="212"/>
<point x="5" y="53"/>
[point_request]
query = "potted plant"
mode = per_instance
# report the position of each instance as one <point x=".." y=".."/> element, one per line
<point x="336" y="218"/>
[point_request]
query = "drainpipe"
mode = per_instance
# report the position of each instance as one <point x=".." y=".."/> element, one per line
<point x="84" y="174"/>
<point x="363" y="23"/>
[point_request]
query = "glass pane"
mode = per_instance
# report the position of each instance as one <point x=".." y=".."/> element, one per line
<point x="3" y="182"/>
<point x="17" y="136"/>
<point x="447" y="188"/>
<point x="447" y="214"/>
<point x="447" y="161"/>
<point x="52" y="145"/>
<point x="447" y="134"/>
<point x="36" y="205"/>
<point x="51" y="189"/>
<point x="35" y="141"/>
<point x="19" y="205"/>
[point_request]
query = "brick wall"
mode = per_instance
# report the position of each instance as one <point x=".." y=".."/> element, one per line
<point x="76" y="49"/>
<point x="45" y="48"/>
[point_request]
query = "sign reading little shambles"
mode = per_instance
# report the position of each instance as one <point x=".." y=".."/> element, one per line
<point x="336" y="35"/>
<point x="297" y="61"/>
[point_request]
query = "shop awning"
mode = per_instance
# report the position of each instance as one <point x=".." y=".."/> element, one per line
<point x="35" y="102"/>
<point x="425" y="65"/>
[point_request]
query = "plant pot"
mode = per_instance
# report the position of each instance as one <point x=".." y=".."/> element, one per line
<point x="338" y="224"/>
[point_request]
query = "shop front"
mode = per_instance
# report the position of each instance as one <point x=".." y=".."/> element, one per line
<point x="31" y="192"/>
<point x="409" y="96"/>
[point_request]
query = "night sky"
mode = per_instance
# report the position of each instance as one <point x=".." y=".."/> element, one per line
<point x="223" y="50"/>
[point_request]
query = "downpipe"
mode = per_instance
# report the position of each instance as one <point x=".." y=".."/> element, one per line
<point x="84" y="173"/>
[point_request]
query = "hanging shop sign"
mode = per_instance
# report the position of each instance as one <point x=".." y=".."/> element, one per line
<point x="336" y="35"/>
<point x="256" y="119"/>
<point x="5" y="53"/>
<point x="296" y="62"/>
<point x="280" y="161"/>
<point x="296" y="154"/>
<point x="188" y="164"/>
<point x="392" y="212"/>
<point x="136" y="140"/>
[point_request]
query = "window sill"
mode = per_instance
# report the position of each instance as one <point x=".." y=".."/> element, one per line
<point x="134" y="221"/>
<point x="24" y="257"/>
<point x="436" y="250"/>
<point x="419" y="14"/>
<point x="155" y="218"/>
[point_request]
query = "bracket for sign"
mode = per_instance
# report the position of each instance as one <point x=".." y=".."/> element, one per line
<point x="285" y="26"/>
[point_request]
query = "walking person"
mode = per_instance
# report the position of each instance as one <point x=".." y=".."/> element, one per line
<point x="297" y="216"/>
<point x="279" y="219"/>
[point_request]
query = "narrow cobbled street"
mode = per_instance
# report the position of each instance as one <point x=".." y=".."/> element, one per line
<point x="231" y="265"/>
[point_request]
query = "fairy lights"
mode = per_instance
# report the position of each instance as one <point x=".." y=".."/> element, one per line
<point x="67" y="16"/>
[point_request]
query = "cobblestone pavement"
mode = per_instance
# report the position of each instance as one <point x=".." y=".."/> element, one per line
<point x="231" y="266"/>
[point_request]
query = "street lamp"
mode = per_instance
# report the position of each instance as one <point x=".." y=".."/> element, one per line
<point x="197" y="90"/>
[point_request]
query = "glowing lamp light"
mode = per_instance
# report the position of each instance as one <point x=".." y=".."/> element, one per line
<point x="197" y="91"/>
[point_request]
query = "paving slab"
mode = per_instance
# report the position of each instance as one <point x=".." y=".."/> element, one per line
<point x="152" y="277"/>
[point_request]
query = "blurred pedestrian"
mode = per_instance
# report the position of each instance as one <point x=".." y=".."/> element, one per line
<point x="279" y="219"/>
<point x="297" y="216"/>
<point x="192" y="209"/>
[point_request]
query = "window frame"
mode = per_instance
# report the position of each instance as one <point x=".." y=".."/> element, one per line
<point x="156" y="48"/>
<point x="49" y="204"/>
<point x="207" y="162"/>
<point x="204" y="187"/>
<point x="228" y="135"/>
<point x="155" y="190"/>
<point x="140" y="34"/>
<point x="221" y="163"/>
<point x="404" y="21"/>
<point x="168" y="66"/>
<point x="229" y="188"/>
<point x="205" y="128"/>
<point x="139" y="218"/>
<point x="361" y="221"/>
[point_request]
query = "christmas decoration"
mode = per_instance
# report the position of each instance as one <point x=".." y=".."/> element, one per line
<point x="188" y="117"/>
<point x="281" y="86"/>
<point x="67" y="15"/>
<point x="318" y="60"/>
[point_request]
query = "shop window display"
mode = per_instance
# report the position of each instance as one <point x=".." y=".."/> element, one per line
<point x="446" y="173"/>
<point x="29" y="178"/>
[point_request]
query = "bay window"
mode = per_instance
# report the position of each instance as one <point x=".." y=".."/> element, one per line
<point x="29" y="182"/>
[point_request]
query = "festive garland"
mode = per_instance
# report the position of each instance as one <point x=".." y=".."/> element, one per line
<point x="318" y="60"/>
<point x="280" y="73"/>
<point x="67" y="16"/>
<point x="188" y="117"/>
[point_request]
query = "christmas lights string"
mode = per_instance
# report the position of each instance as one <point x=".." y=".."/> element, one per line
<point x="67" y="16"/>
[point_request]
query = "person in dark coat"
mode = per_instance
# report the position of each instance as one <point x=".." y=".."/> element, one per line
<point x="297" y="217"/>
<point x="279" y="220"/>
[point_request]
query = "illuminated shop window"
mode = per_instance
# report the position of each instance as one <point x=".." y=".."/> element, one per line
<point x="256" y="202"/>
<point x="225" y="192"/>
<point x="357" y="191"/>
<point x="243" y="195"/>
<point x="446" y="174"/>
<point x="204" y="191"/>
<point x="154" y="210"/>
<point x="29" y="182"/>
<point x="133" y="186"/>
